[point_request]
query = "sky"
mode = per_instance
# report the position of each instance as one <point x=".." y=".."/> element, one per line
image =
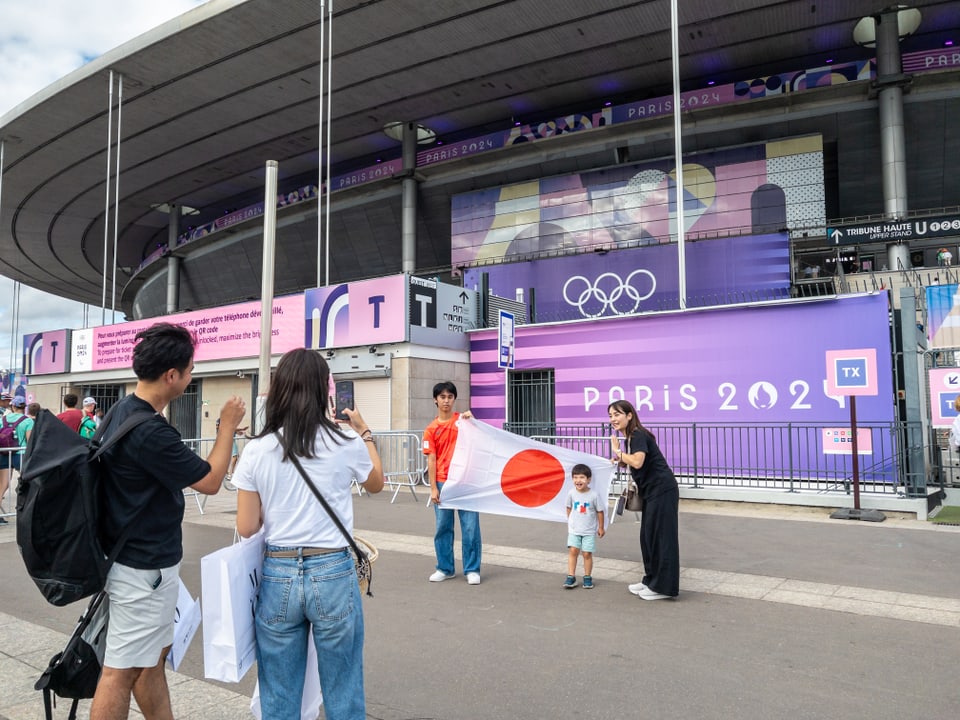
<point x="40" y="42"/>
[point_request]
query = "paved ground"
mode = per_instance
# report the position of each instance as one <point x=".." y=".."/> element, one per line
<point x="783" y="613"/>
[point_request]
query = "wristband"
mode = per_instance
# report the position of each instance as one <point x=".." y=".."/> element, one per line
<point x="366" y="434"/>
<point x="370" y="440"/>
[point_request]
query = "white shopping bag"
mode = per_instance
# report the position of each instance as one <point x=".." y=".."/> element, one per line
<point x="312" y="697"/>
<point x="185" y="624"/>
<point x="230" y="578"/>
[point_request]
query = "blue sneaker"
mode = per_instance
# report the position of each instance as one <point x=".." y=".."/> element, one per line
<point x="570" y="582"/>
<point x="587" y="582"/>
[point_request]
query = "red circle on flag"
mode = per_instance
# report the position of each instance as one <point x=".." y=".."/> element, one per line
<point x="532" y="478"/>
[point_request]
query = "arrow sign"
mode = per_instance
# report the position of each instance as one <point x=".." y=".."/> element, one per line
<point x="952" y="380"/>
<point x="463" y="296"/>
<point x="836" y="236"/>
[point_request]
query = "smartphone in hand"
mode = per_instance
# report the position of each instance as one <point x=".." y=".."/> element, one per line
<point x="344" y="393"/>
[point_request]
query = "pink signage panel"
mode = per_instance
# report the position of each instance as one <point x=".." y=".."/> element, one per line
<point x="944" y="386"/>
<point x="852" y="372"/>
<point x="226" y="332"/>
<point x="839" y="441"/>
<point x="47" y="352"/>
<point x="358" y="313"/>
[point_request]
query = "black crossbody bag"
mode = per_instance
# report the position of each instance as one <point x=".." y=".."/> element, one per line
<point x="364" y="566"/>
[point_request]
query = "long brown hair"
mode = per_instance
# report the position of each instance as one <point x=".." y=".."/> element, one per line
<point x="297" y="403"/>
<point x="633" y="424"/>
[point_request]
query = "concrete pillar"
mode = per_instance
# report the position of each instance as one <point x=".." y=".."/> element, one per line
<point x="893" y="155"/>
<point x="898" y="257"/>
<point x="409" y="215"/>
<point x="893" y="160"/>
<point x="911" y="337"/>
<point x="173" y="262"/>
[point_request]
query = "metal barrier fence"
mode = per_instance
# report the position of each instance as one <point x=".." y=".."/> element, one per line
<point x="8" y="503"/>
<point x="202" y="447"/>
<point x="789" y="457"/>
<point x="404" y="464"/>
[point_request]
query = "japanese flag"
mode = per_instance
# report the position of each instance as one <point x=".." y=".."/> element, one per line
<point x="494" y="471"/>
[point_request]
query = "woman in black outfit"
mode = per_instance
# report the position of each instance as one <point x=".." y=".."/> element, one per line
<point x="659" y="542"/>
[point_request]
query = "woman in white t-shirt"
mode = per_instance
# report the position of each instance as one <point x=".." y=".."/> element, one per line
<point x="308" y="570"/>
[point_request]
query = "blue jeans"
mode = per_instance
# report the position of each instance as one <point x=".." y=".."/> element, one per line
<point x="443" y="538"/>
<point x="294" y="593"/>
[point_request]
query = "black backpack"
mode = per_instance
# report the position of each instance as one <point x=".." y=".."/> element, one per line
<point x="58" y="508"/>
<point x="74" y="673"/>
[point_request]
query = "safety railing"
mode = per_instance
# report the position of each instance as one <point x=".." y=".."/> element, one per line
<point x="790" y="457"/>
<point x="404" y="463"/>
<point x="9" y="465"/>
<point x="202" y="447"/>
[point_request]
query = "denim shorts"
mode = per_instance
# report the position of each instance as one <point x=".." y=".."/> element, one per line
<point x="587" y="543"/>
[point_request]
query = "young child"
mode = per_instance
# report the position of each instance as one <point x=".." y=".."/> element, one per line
<point x="584" y="526"/>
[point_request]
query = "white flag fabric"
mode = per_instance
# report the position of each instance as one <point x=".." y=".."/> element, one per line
<point x="495" y="471"/>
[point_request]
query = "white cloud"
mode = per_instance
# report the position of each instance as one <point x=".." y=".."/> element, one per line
<point x="40" y="42"/>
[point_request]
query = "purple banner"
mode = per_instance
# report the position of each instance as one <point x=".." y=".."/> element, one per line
<point x="945" y="59"/>
<point x="744" y="365"/>
<point x="365" y="175"/>
<point x="624" y="282"/>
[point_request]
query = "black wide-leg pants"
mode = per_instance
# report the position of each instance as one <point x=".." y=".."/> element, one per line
<point x="660" y="543"/>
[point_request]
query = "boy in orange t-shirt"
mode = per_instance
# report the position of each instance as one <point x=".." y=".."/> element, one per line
<point x="439" y="440"/>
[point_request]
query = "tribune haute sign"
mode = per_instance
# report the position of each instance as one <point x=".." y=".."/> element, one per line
<point x="896" y="231"/>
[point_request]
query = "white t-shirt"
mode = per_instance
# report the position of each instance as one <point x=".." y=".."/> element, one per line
<point x="583" y="519"/>
<point x="292" y="515"/>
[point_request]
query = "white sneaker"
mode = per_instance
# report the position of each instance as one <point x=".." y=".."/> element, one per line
<point x="636" y="588"/>
<point x="648" y="594"/>
<point x="473" y="578"/>
<point x="440" y="576"/>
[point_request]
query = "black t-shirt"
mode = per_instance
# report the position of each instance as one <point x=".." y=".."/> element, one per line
<point x="150" y="465"/>
<point x="654" y="477"/>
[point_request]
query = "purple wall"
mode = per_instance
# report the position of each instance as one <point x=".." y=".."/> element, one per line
<point x="738" y="365"/>
<point x="620" y="282"/>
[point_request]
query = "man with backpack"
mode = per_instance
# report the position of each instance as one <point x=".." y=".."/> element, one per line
<point x="144" y="476"/>
<point x="15" y="429"/>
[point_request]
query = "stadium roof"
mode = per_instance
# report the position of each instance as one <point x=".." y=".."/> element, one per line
<point x="210" y="96"/>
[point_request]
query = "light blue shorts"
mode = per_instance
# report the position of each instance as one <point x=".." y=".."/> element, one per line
<point x="586" y="543"/>
<point x="142" y="608"/>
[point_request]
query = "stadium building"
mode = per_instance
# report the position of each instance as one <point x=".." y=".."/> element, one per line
<point x="459" y="159"/>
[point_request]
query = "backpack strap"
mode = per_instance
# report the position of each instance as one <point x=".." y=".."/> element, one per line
<point x="135" y="420"/>
<point x="14" y="423"/>
<point x="138" y="418"/>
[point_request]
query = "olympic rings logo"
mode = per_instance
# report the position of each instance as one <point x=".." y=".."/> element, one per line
<point x="603" y="297"/>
